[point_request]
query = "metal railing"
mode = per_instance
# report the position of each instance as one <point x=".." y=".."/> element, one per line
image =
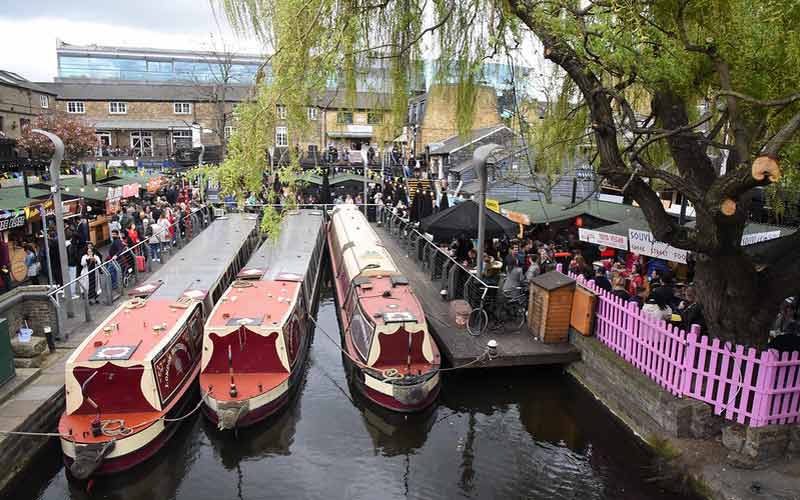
<point x="112" y="288"/>
<point x="455" y="281"/>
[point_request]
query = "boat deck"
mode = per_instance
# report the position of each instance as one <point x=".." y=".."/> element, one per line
<point x="518" y="348"/>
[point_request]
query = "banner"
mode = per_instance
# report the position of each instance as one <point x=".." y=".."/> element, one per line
<point x="604" y="239"/>
<point x="643" y="243"/>
<point x="131" y="190"/>
<point x="752" y="239"/>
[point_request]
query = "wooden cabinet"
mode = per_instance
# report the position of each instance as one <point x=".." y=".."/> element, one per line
<point x="550" y="307"/>
<point x="583" y="310"/>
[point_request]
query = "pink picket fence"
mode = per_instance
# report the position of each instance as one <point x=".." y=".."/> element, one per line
<point x="741" y="384"/>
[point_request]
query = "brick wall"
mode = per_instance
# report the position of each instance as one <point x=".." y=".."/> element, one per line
<point x="40" y="312"/>
<point x="16" y="103"/>
<point x="439" y="121"/>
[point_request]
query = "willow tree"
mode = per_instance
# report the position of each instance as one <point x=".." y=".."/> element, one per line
<point x="711" y="79"/>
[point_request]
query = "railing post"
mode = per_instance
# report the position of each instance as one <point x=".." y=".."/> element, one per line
<point x="689" y="353"/>
<point x="632" y="319"/>
<point x="762" y="401"/>
<point x="560" y="268"/>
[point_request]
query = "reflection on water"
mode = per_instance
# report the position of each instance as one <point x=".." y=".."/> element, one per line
<point x="531" y="434"/>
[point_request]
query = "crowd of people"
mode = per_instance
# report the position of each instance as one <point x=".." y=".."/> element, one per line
<point x="141" y="230"/>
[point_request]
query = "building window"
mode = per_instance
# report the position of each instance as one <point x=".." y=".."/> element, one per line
<point x="181" y="139"/>
<point x="281" y="110"/>
<point x="44" y="101"/>
<point x="281" y="136"/>
<point x="374" y="118"/>
<point x="182" y="108"/>
<point x="24" y="123"/>
<point x="228" y="131"/>
<point x="344" y="117"/>
<point x="103" y="139"/>
<point x="2" y="124"/>
<point x="76" y="107"/>
<point x="118" y="108"/>
<point x="312" y="113"/>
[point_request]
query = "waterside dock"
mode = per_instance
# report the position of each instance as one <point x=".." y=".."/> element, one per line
<point x="514" y="348"/>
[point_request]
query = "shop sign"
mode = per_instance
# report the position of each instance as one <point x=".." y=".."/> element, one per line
<point x="643" y="243"/>
<point x="9" y="219"/>
<point x="131" y="190"/>
<point x="114" y="193"/>
<point x="752" y="239"/>
<point x="493" y="205"/>
<point x="603" y="239"/>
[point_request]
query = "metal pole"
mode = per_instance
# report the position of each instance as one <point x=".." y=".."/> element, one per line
<point x="43" y="214"/>
<point x="682" y="217"/>
<point x="479" y="164"/>
<point x="55" y="176"/>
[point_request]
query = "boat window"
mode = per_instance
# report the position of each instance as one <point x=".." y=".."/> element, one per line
<point x="361" y="332"/>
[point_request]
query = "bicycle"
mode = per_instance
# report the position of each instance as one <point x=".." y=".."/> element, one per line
<point x="514" y="312"/>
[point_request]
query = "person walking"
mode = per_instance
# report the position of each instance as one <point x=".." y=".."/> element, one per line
<point x="164" y="236"/>
<point x="154" y="242"/>
<point x="89" y="265"/>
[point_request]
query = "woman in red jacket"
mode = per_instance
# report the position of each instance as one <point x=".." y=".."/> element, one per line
<point x="133" y="234"/>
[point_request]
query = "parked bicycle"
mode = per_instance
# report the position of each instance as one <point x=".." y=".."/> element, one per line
<point x="511" y="314"/>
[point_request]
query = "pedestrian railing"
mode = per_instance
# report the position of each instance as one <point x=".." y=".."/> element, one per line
<point x="452" y="279"/>
<point x="742" y="384"/>
<point x="112" y="278"/>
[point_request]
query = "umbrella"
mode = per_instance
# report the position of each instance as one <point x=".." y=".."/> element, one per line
<point x="444" y="203"/>
<point x="463" y="219"/>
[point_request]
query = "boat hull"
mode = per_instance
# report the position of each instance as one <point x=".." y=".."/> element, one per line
<point x="142" y="445"/>
<point x="428" y="390"/>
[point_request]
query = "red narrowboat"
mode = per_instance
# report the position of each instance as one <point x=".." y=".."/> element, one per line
<point x="391" y="356"/>
<point x="132" y="381"/>
<point x="257" y="338"/>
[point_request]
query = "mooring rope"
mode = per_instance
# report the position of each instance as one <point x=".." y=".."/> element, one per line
<point x="119" y="430"/>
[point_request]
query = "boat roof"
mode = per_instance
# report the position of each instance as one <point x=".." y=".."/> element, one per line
<point x="203" y="261"/>
<point x="386" y="301"/>
<point x="288" y="257"/>
<point x="132" y="333"/>
<point x="361" y="250"/>
<point x="262" y="304"/>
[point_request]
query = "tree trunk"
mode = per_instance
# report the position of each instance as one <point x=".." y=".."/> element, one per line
<point x="738" y="306"/>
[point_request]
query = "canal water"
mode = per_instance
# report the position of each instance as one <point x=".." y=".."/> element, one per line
<point x="499" y="434"/>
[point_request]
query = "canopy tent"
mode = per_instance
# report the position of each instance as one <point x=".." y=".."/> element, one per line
<point x="462" y="219"/>
<point x="560" y="209"/>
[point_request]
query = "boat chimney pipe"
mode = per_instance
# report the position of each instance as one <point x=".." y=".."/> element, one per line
<point x="479" y="158"/>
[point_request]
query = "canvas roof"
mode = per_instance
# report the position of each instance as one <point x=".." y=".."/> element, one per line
<point x="559" y="210"/>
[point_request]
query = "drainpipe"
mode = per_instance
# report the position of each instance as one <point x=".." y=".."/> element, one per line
<point x="479" y="165"/>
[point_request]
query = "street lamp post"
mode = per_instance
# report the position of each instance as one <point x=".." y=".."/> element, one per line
<point x="55" y="176"/>
<point x="479" y="164"/>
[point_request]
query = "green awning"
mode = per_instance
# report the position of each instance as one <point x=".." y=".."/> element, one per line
<point x="541" y="212"/>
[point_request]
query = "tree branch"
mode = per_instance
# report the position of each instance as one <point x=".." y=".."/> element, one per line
<point x="779" y="140"/>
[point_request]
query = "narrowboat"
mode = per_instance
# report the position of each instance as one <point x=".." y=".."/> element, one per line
<point x="133" y="380"/>
<point x="256" y="340"/>
<point x="390" y="355"/>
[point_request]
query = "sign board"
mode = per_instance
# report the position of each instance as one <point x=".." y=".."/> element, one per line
<point x="752" y="239"/>
<point x="493" y="205"/>
<point x="604" y="239"/>
<point x="197" y="141"/>
<point x="359" y="129"/>
<point x="643" y="243"/>
<point x="611" y="198"/>
<point x="9" y="219"/>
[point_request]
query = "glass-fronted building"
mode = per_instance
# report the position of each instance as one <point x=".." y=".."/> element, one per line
<point x="132" y="64"/>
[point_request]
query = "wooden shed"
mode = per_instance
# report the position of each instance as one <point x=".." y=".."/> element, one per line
<point x="583" y="304"/>
<point x="550" y="306"/>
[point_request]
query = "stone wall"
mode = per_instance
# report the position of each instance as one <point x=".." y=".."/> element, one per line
<point x="638" y="401"/>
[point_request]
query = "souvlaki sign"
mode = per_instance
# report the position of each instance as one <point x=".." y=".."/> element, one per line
<point x="643" y="243"/>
